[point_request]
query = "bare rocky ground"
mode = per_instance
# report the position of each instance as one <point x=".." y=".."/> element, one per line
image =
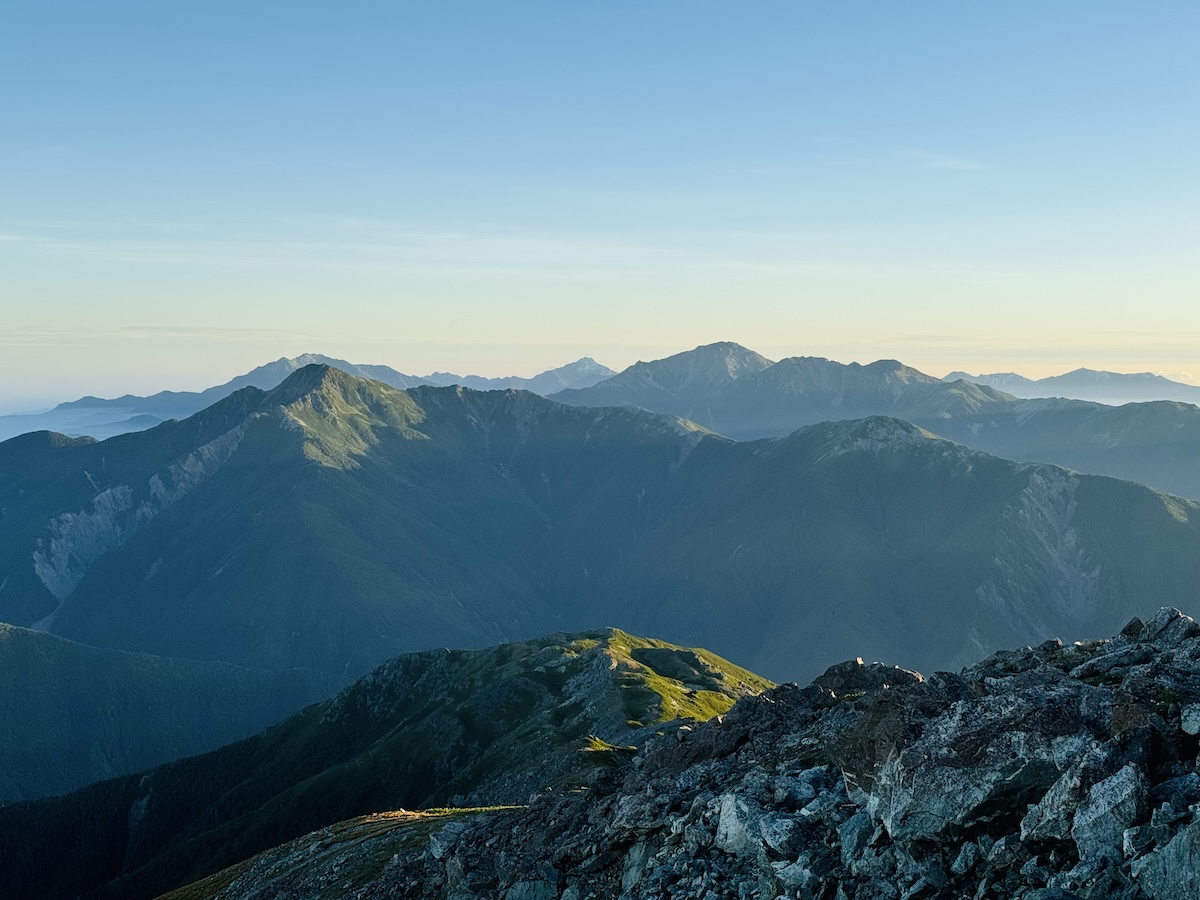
<point x="1046" y="773"/>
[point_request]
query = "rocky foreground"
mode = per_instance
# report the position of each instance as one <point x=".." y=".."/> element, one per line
<point x="1049" y="772"/>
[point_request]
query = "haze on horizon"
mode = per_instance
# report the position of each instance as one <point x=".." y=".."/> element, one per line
<point x="192" y="192"/>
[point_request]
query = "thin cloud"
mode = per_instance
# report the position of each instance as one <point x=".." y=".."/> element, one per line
<point x="57" y="335"/>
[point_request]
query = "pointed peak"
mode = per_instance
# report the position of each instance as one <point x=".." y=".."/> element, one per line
<point x="303" y="381"/>
<point x="340" y="414"/>
<point x="705" y="366"/>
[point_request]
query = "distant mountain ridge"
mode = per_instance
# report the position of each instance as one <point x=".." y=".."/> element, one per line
<point x="581" y="373"/>
<point x="103" y="418"/>
<point x="334" y="522"/>
<point x="679" y="385"/>
<point x="1112" y="388"/>
<point x="1155" y="443"/>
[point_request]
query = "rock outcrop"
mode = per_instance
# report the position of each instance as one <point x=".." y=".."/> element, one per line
<point x="1047" y="773"/>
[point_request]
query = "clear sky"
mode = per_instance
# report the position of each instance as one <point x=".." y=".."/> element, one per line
<point x="189" y="190"/>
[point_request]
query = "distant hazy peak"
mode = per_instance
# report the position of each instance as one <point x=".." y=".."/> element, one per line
<point x="704" y="366"/>
<point x="1095" y="385"/>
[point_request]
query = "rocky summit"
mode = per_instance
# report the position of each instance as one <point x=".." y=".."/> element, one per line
<point x="1055" y="771"/>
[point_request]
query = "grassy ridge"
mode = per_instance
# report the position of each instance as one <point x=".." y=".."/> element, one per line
<point x="429" y="729"/>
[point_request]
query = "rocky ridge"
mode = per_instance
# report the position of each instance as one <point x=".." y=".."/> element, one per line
<point x="1046" y="773"/>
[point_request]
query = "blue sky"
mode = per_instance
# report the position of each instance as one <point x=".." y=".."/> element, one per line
<point x="188" y="190"/>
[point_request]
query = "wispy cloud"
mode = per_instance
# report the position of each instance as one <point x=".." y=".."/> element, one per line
<point x="56" y="336"/>
<point x="945" y="161"/>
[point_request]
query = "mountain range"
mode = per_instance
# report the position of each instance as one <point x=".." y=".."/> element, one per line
<point x="333" y="522"/>
<point x="738" y="393"/>
<point x="1113" y="388"/>
<point x="283" y="541"/>
<point x="102" y="418"/>
<point x="741" y="394"/>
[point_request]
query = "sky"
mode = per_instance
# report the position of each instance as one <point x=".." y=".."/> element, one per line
<point x="190" y="190"/>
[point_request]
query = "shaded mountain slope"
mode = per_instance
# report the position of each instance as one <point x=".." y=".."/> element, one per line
<point x="334" y="522"/>
<point x="480" y="727"/>
<point x="874" y="537"/>
<point x="803" y="391"/>
<point x="71" y="715"/>
<point x="1154" y="443"/>
<point x="1056" y="772"/>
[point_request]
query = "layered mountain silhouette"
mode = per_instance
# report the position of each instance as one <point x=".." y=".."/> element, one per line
<point x="102" y="418"/>
<point x="484" y="727"/>
<point x="1154" y="443"/>
<point x="1113" y="388"/>
<point x="333" y="522"/>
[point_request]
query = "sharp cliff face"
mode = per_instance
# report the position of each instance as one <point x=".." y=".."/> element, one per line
<point x="1054" y="772"/>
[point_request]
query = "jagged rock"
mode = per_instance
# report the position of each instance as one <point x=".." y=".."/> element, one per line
<point x="1169" y="626"/>
<point x="852" y="676"/>
<point x="972" y="762"/>
<point x="532" y="890"/>
<point x="1110" y="807"/>
<point x="1173" y="872"/>
<point x="1015" y="780"/>
<point x="968" y="858"/>
<point x="1189" y="718"/>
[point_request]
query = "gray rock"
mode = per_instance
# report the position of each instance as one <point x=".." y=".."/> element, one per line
<point x="970" y="763"/>
<point x="1120" y="658"/>
<point x="1172" y="872"/>
<point x="1169" y="626"/>
<point x="635" y="865"/>
<point x="968" y="858"/>
<point x="1137" y="841"/>
<point x="532" y="890"/>
<point x="738" y="825"/>
<point x="854" y="835"/>
<point x="1109" y="808"/>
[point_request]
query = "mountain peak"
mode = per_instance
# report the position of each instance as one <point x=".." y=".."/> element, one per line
<point x="304" y="380"/>
<point x="878" y="429"/>
<point x="691" y="371"/>
<point x="873" y="434"/>
<point x="340" y="413"/>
